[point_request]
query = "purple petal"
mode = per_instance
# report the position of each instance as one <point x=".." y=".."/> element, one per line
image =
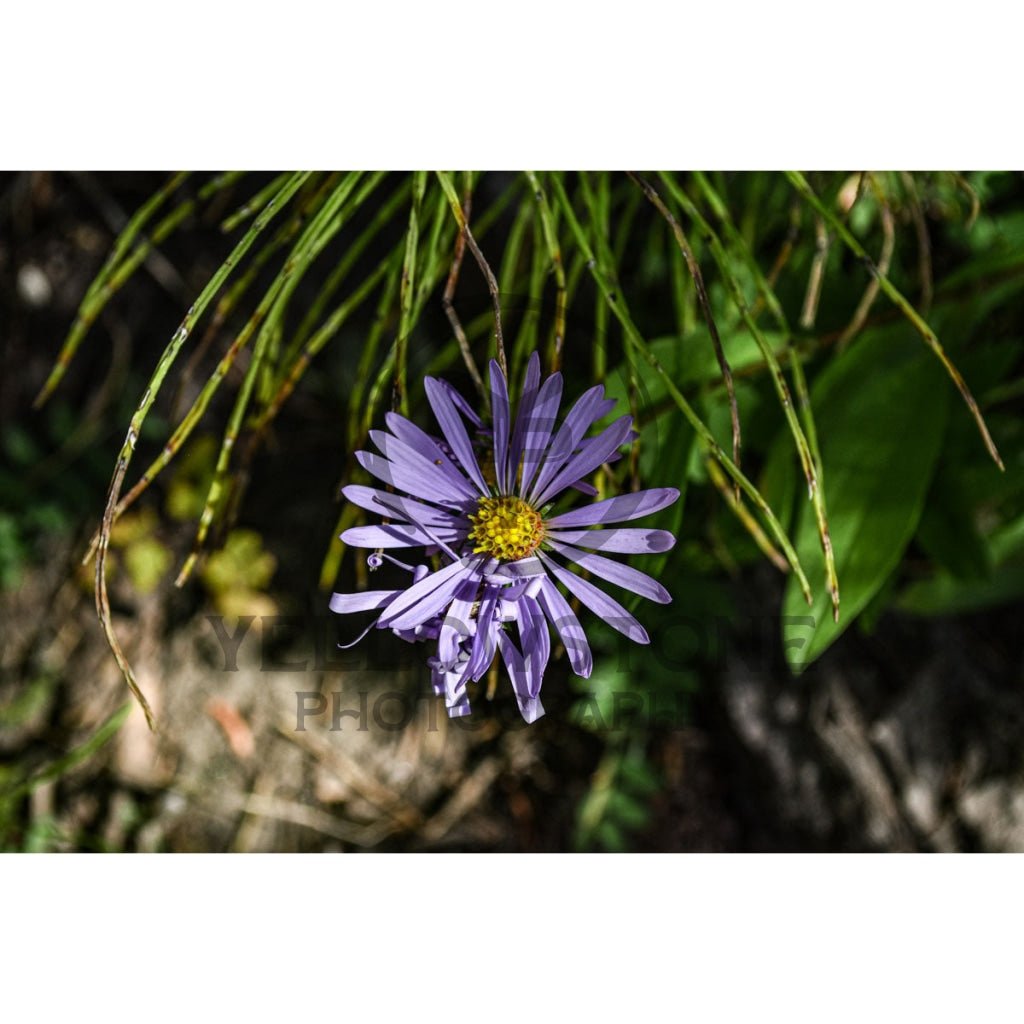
<point x="368" y="600"/>
<point x="458" y="622"/>
<point x="622" y="539"/>
<point x="599" y="602"/>
<point x="486" y="634"/>
<point x="570" y="632"/>
<point x="588" y="489"/>
<point x="435" y="537"/>
<point x="397" y="535"/>
<point x="536" y="641"/>
<point x="400" y="453"/>
<point x="411" y="478"/>
<point x="591" y="455"/>
<point x="531" y="386"/>
<point x="615" y="572"/>
<point x="454" y="430"/>
<point x="590" y="408"/>
<point x="460" y="403"/>
<point x="426" y="598"/>
<point x="618" y="510"/>
<point x="537" y="431"/>
<point x="500" y="415"/>
<point x="384" y="503"/>
<point x="519" y="672"/>
<point x="407" y="431"/>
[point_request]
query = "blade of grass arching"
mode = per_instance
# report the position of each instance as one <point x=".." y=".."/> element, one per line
<point x="228" y="302"/>
<point x="57" y="769"/>
<point x="806" y="439"/>
<point x="197" y="410"/>
<point x="120" y="267"/>
<point x="407" y="290"/>
<point x="330" y="327"/>
<point x="485" y="269"/>
<point x="809" y="463"/>
<point x="800" y="184"/>
<point x="323" y="226"/>
<point x="547" y="222"/>
<point x="213" y="286"/>
<point x="636" y="341"/>
<point x="352" y="253"/>
<point x="252" y="206"/>
<point x="753" y="527"/>
<point x="121" y="245"/>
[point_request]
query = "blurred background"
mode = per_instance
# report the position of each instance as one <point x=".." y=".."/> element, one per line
<point x="752" y="722"/>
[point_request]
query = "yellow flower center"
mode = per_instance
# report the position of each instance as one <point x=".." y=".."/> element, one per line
<point x="506" y="528"/>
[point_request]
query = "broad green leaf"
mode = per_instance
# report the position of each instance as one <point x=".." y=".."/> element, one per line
<point x="690" y="361"/>
<point x="881" y="411"/>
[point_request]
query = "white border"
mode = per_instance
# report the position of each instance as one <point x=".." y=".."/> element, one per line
<point x="211" y="84"/>
<point x="639" y="938"/>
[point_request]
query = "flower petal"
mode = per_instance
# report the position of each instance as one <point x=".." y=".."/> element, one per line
<point x="535" y="639"/>
<point x="599" y="603"/>
<point x="407" y="431"/>
<point x="460" y="403"/>
<point x="519" y="672"/>
<point x="618" y="510"/>
<point x="588" y="409"/>
<point x="531" y="387"/>
<point x="454" y="430"/>
<point x="622" y="539"/>
<point x="368" y="600"/>
<point x="397" y="535"/>
<point x="412" y="479"/>
<point x="593" y="453"/>
<point x="501" y="416"/>
<point x="486" y="635"/>
<point x="401" y="453"/>
<point x="570" y="632"/>
<point x="385" y="503"/>
<point x="426" y="598"/>
<point x="458" y="622"/>
<point x="615" y="572"/>
<point x="538" y="428"/>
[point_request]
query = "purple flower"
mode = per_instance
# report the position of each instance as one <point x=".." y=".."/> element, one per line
<point x="491" y="521"/>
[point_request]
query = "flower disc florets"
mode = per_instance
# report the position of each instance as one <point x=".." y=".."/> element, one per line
<point x="507" y="528"/>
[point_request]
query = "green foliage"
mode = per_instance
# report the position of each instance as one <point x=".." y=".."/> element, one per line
<point x="880" y="435"/>
<point x="824" y="364"/>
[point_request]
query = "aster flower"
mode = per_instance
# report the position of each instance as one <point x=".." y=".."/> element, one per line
<point x="490" y="519"/>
